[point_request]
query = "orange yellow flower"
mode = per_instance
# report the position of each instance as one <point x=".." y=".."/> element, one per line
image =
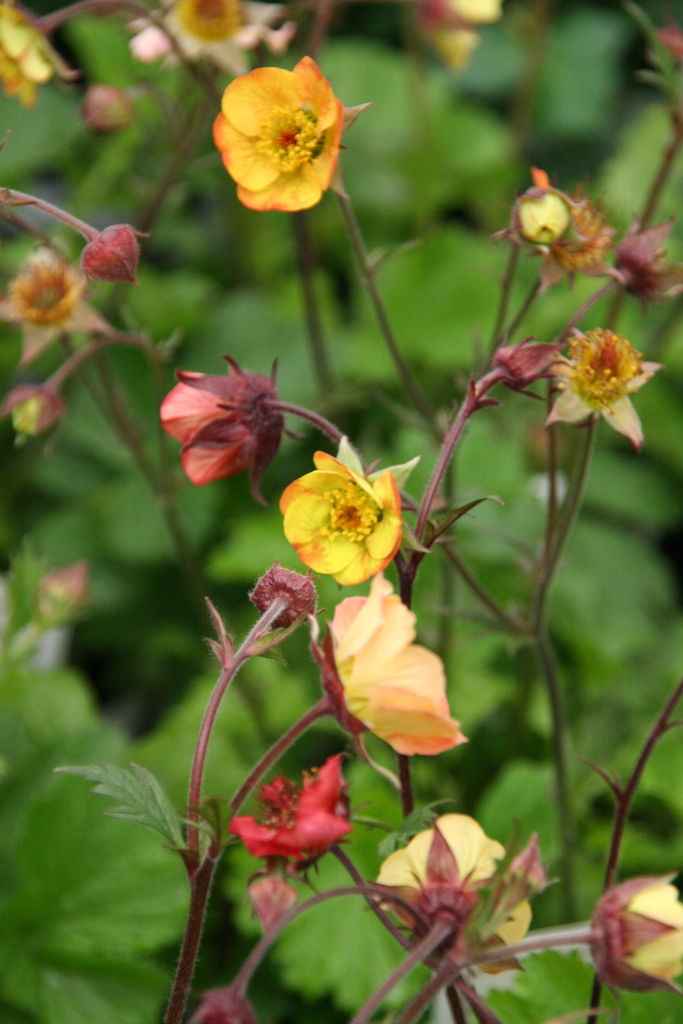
<point x="396" y="688"/>
<point x="440" y="873"/>
<point x="278" y="133"/>
<point x="26" y="58"/>
<point x="47" y="297"/>
<point x="602" y="370"/>
<point x="341" y="523"/>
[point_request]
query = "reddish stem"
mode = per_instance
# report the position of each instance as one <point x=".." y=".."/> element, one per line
<point x="11" y="197"/>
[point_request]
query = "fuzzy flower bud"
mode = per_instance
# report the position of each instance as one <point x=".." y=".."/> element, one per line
<point x="524" y="363"/>
<point x="62" y="593"/>
<point x="271" y="897"/>
<point x="113" y="254"/>
<point x="223" y="1006"/>
<point x="33" y="408"/>
<point x="106" y="108"/>
<point x="543" y="216"/>
<point x="297" y="590"/>
<point x="638" y="941"/>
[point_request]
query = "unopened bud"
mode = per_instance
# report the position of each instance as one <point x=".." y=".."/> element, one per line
<point x="520" y="365"/>
<point x="297" y="590"/>
<point x="271" y="897"/>
<point x="33" y="408"/>
<point x="543" y="216"/>
<point x="62" y="593"/>
<point x="106" y="108"/>
<point x="112" y="255"/>
<point x="223" y="1006"/>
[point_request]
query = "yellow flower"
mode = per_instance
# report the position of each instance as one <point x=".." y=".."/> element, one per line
<point x="341" y="523"/>
<point x="602" y="370"/>
<point x="440" y="872"/>
<point x="449" y="23"/>
<point x="279" y="134"/>
<point x="47" y="297"/>
<point x="26" y="58"/>
<point x="638" y="929"/>
<point x="396" y="688"/>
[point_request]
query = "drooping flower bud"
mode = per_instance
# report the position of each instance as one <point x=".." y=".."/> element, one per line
<point x="106" y="108"/>
<point x="641" y="267"/>
<point x="638" y="935"/>
<point x="113" y="254"/>
<point x="33" y="407"/>
<point x="297" y="590"/>
<point x="223" y="1006"/>
<point x="526" y="362"/>
<point x="62" y="593"/>
<point x="271" y="897"/>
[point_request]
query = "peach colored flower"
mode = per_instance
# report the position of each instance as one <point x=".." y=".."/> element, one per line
<point x="279" y="134"/>
<point x="26" y="58"/>
<point x="440" y="873"/>
<point x="47" y="297"/>
<point x="396" y="688"/>
<point x="341" y="523"/>
<point x="602" y="370"/>
<point x="638" y="928"/>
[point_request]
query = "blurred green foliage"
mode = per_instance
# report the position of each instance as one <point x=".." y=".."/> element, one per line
<point x="91" y="909"/>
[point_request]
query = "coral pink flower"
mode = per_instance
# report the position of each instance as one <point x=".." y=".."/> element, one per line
<point x="394" y="687"/>
<point x="226" y="424"/>
<point x="300" y="822"/>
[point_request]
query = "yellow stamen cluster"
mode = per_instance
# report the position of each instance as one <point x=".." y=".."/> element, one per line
<point x="290" y="138"/>
<point x="47" y="292"/>
<point x="589" y="239"/>
<point x="210" y="20"/>
<point x="353" y="513"/>
<point x="603" y="366"/>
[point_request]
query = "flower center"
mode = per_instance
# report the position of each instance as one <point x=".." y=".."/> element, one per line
<point x="603" y="366"/>
<point x="279" y="802"/>
<point x="46" y="294"/>
<point x="290" y="138"/>
<point x="210" y="20"/>
<point x="353" y="513"/>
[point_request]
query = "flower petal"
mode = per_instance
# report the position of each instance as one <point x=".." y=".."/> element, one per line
<point x="248" y="101"/>
<point x="242" y="160"/>
<point x="297" y="191"/>
<point x="623" y="418"/>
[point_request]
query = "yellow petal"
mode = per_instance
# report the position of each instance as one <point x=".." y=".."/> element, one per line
<point x="242" y="160"/>
<point x="297" y="191"/>
<point x="248" y="101"/>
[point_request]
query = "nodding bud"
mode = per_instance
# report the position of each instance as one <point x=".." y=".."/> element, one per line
<point x="223" y="1006"/>
<point x="113" y="254"/>
<point x="297" y="590"/>
<point x="271" y="897"/>
<point x="106" y="108"/>
<point x="33" y="408"/>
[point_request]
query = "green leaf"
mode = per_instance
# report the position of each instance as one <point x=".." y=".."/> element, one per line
<point x="457" y="513"/>
<point x="142" y="798"/>
<point x="420" y="819"/>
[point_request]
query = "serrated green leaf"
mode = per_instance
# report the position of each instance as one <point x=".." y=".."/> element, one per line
<point x="142" y="798"/>
<point x="420" y="819"/>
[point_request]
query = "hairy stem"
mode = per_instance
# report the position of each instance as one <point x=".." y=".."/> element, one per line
<point x="324" y="425"/>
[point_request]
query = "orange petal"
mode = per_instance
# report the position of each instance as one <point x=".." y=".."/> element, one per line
<point x="297" y="191"/>
<point x="248" y="101"/>
<point x="242" y="160"/>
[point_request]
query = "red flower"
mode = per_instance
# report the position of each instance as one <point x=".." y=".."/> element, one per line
<point x="226" y="424"/>
<point x="298" y="822"/>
